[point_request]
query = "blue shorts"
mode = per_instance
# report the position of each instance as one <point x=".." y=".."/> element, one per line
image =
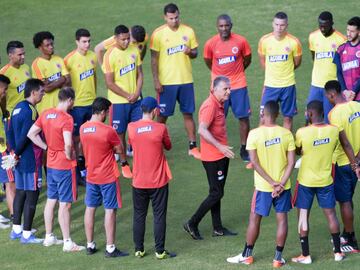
<point x="122" y="114"/>
<point x="108" y="194"/>
<point x="183" y="93"/>
<point x="80" y="114"/>
<point x="305" y="195"/>
<point x="239" y="102"/>
<point x="318" y="93"/>
<point x="262" y="202"/>
<point x="345" y="182"/>
<point x="28" y="181"/>
<point x="6" y="176"/>
<point x="61" y="185"/>
<point x="286" y="96"/>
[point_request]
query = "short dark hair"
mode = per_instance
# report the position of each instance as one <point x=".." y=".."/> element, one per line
<point x="32" y="85"/>
<point x="121" y="29"/>
<point x="326" y="16"/>
<point x="138" y="33"/>
<point x="224" y="17"/>
<point x="170" y="8"/>
<point x="100" y="104"/>
<point x="39" y="37"/>
<point x="316" y="106"/>
<point x="333" y="85"/>
<point x="66" y="93"/>
<point x="12" y="45"/>
<point x="146" y="109"/>
<point x="4" y="79"/>
<point x="281" y="15"/>
<point x="81" y="33"/>
<point x="354" y="21"/>
<point x="219" y="79"/>
<point x="272" y="107"/>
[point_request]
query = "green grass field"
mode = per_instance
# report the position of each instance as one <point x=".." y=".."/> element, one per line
<point x="21" y="19"/>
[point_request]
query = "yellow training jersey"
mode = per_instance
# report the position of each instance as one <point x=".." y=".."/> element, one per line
<point x="271" y="144"/>
<point x="318" y="143"/>
<point x="346" y="116"/>
<point x="324" y="48"/>
<point x="50" y="70"/>
<point x="279" y="59"/>
<point x="174" y="65"/>
<point x="123" y="63"/>
<point x="109" y="42"/>
<point x="18" y="77"/>
<point x="82" y="69"/>
<point x="2" y="134"/>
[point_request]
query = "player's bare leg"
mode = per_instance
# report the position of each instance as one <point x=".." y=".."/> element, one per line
<point x="162" y="119"/>
<point x="110" y="226"/>
<point x="282" y="229"/>
<point x="125" y="167"/>
<point x="89" y="220"/>
<point x="123" y="141"/>
<point x="64" y="219"/>
<point x="253" y="228"/>
<point x="288" y="122"/>
<point x="332" y="220"/>
<point x="189" y="126"/>
<point x="347" y="216"/>
<point x="244" y="128"/>
<point x="49" y="215"/>
<point x="10" y="195"/>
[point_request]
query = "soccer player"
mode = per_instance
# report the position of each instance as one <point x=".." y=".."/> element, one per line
<point x="348" y="63"/>
<point x="49" y="68"/>
<point x="124" y="79"/>
<point x="316" y="143"/>
<point x="29" y="156"/>
<point x="6" y="176"/>
<point x="272" y="183"/>
<point x="323" y="44"/>
<point x="18" y="73"/>
<point x="172" y="46"/>
<point x="138" y="38"/>
<point x="81" y="64"/>
<point x="280" y="54"/>
<point x="229" y="54"/>
<point x="215" y="155"/>
<point x="100" y="141"/>
<point x="151" y="176"/>
<point x="57" y="126"/>
<point x="346" y="116"/>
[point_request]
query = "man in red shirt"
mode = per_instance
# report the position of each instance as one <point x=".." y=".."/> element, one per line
<point x="151" y="175"/>
<point x="100" y="142"/>
<point x="229" y="54"/>
<point x="57" y="126"/>
<point x="215" y="154"/>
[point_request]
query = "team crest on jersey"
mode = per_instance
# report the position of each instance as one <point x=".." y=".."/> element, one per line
<point x="354" y="116"/>
<point x="133" y="56"/>
<point x="323" y="55"/>
<point x="127" y="69"/>
<point x="185" y="38"/>
<point x="27" y="74"/>
<point x="226" y="60"/>
<point x="350" y="65"/>
<point x="357" y="54"/>
<point x="16" y="111"/>
<point x="235" y="50"/>
<point x="176" y="49"/>
<point x="20" y="88"/>
<point x="278" y="58"/>
<point x="58" y="65"/>
<point x="51" y="116"/>
<point x="144" y="129"/>
<point x="92" y="62"/>
<point x="54" y="77"/>
<point x="272" y="142"/>
<point x="287" y="49"/>
<point x="86" y="74"/>
<point x="334" y="46"/>
<point x="89" y="130"/>
<point x="321" y="141"/>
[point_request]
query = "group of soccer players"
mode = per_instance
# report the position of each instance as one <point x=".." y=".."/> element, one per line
<point x="56" y="119"/>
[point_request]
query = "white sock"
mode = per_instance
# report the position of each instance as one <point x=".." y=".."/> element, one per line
<point x="48" y="235"/>
<point x="91" y="244"/>
<point x="17" y="228"/>
<point x="26" y="234"/>
<point x="110" y="248"/>
<point x="67" y="242"/>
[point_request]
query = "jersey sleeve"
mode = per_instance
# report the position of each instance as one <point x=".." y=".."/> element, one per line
<point x="298" y="139"/>
<point x="36" y="70"/>
<point x="291" y="143"/>
<point x="109" y="42"/>
<point x="138" y="58"/>
<point x="107" y="64"/>
<point x="64" y="70"/>
<point x="334" y="120"/>
<point x="297" y="50"/>
<point x="193" y="41"/>
<point x="246" y="48"/>
<point x="311" y="44"/>
<point x="166" y="139"/>
<point x="251" y="141"/>
<point x="155" y="42"/>
<point x="113" y="138"/>
<point x="262" y="47"/>
<point x="208" y="50"/>
<point x="39" y="121"/>
<point x="207" y="115"/>
<point x="68" y="124"/>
